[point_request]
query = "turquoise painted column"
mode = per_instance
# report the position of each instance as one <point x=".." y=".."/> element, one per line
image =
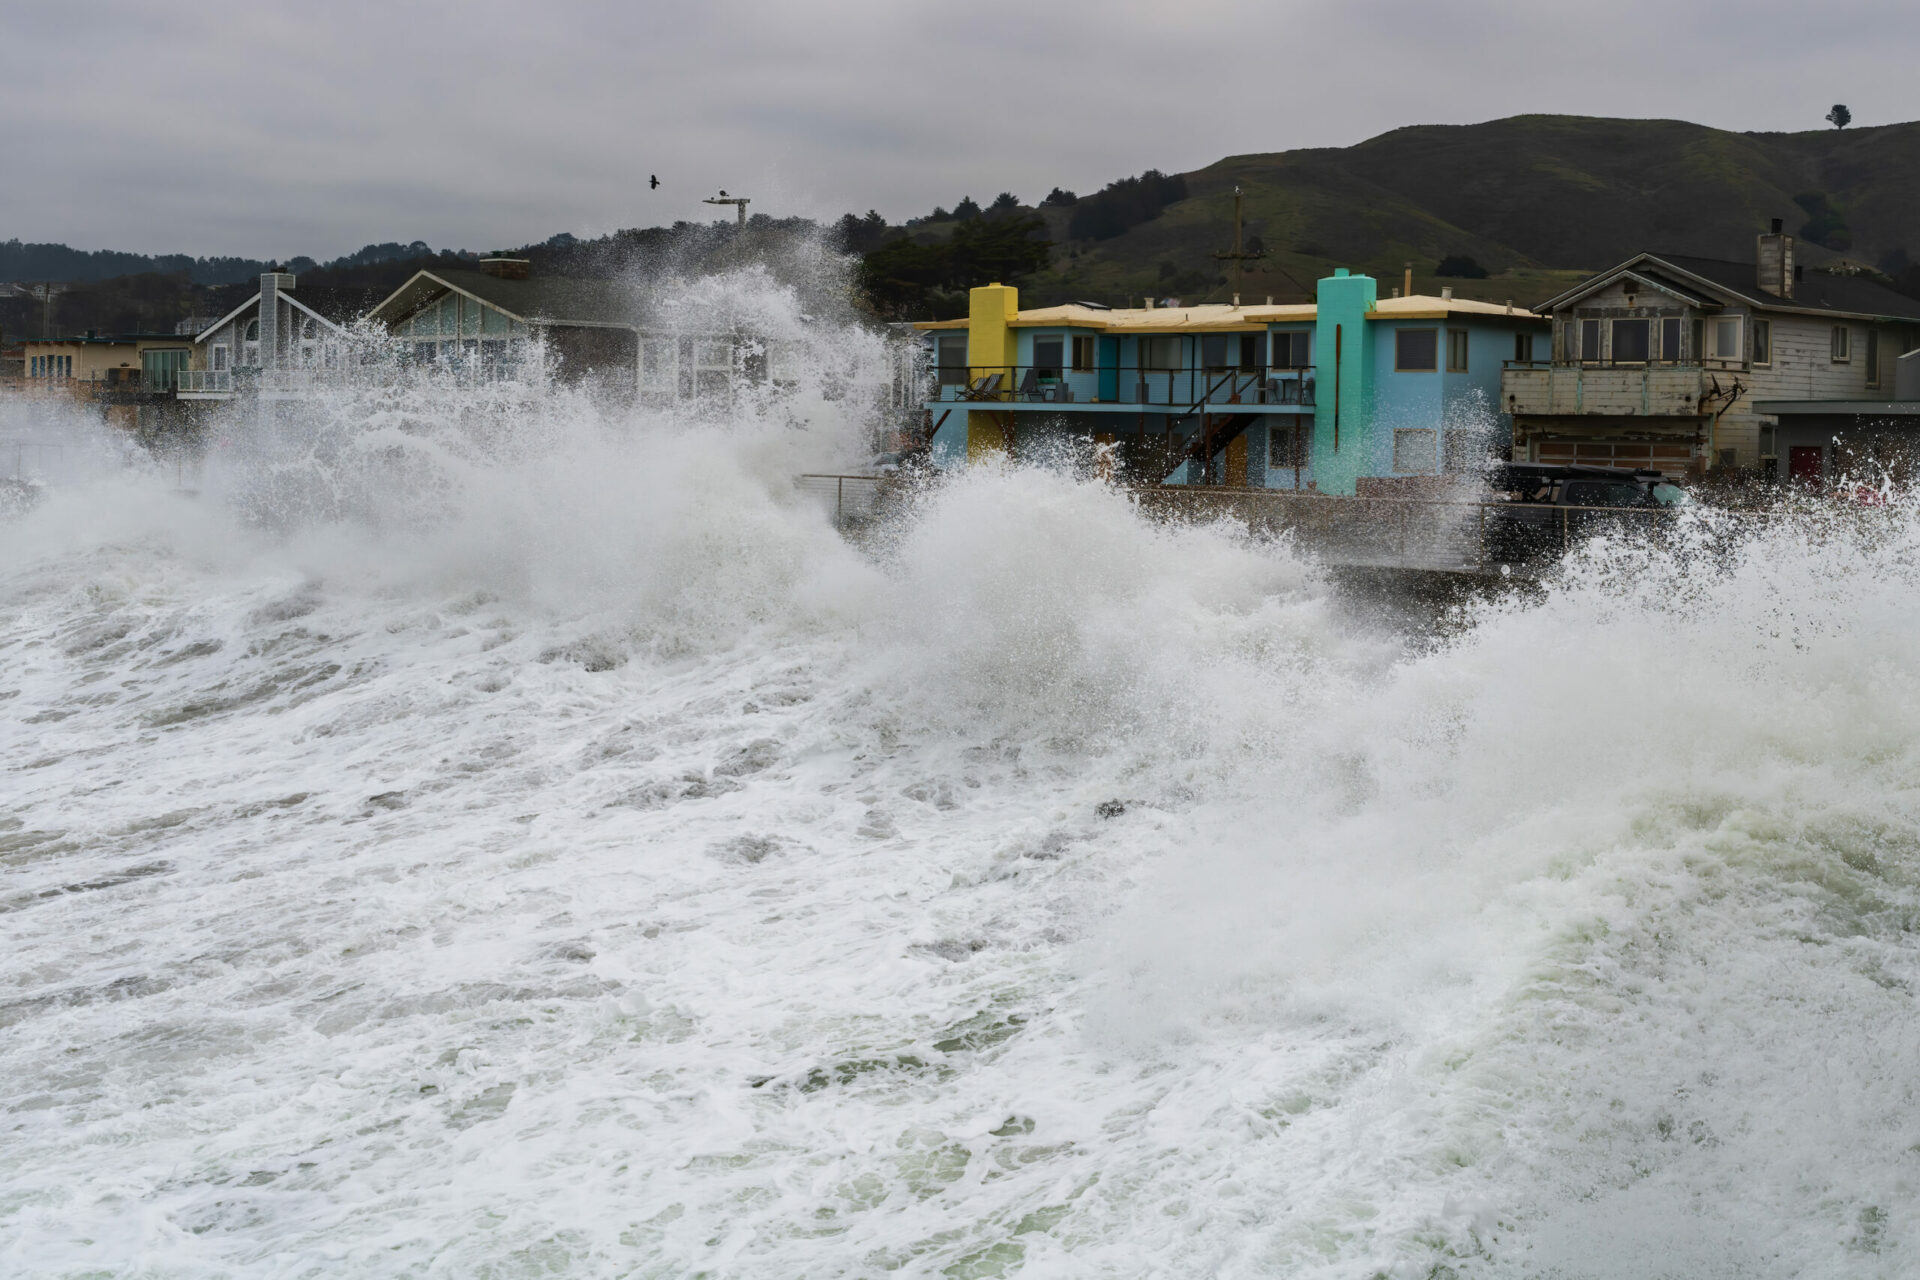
<point x="1343" y="380"/>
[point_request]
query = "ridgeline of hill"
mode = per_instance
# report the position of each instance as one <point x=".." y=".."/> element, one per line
<point x="1514" y="209"/>
<point x="1535" y="200"/>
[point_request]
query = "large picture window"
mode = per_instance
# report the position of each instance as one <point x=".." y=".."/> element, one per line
<point x="1161" y="353"/>
<point x="1290" y="350"/>
<point x="950" y="360"/>
<point x="1724" y="334"/>
<point x="1048" y="355"/>
<point x="1630" y="341"/>
<point x="1416" y="350"/>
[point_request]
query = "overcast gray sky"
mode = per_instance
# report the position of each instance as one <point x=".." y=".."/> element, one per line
<point x="274" y="128"/>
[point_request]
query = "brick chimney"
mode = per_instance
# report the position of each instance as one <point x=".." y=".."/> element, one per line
<point x="1774" y="258"/>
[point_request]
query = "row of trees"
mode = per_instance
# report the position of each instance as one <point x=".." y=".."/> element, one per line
<point x="912" y="280"/>
<point x="1121" y="206"/>
<point x="28" y="262"/>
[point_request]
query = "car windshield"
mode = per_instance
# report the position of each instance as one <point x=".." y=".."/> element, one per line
<point x="1671" y="495"/>
<point x="1600" y="493"/>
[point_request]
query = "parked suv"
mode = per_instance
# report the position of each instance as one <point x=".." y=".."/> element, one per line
<point x="1542" y="510"/>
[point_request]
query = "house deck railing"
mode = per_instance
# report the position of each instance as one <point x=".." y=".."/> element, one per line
<point x="1184" y="389"/>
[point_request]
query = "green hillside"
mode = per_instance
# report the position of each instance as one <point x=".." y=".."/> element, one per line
<point x="1538" y="200"/>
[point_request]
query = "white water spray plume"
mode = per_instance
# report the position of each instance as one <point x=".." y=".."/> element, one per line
<point x="501" y="833"/>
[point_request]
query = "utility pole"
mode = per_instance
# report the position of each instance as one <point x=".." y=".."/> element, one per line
<point x="738" y="202"/>
<point x="1239" y="257"/>
<point x="46" y="292"/>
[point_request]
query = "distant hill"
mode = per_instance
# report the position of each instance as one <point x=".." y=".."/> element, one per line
<point x="1535" y="199"/>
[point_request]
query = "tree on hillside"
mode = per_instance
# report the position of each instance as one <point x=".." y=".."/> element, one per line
<point x="1123" y="205"/>
<point x="1005" y="202"/>
<point x="966" y="209"/>
<point x="1839" y="117"/>
<point x="909" y="280"/>
<point x="855" y="234"/>
<point x="1059" y="198"/>
<point x="1460" y="267"/>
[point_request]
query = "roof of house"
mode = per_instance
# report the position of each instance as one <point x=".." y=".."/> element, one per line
<point x="1818" y="291"/>
<point x="541" y="300"/>
<point x="1226" y="318"/>
<point x="334" y="308"/>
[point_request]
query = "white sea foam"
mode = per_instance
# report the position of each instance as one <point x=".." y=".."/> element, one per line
<point x="567" y="856"/>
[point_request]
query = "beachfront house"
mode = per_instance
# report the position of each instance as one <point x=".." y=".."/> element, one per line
<point x="1684" y="364"/>
<point x="592" y="330"/>
<point x="279" y="341"/>
<point x="1350" y="393"/>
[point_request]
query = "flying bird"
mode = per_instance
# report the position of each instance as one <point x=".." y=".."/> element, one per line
<point x="653" y="180"/>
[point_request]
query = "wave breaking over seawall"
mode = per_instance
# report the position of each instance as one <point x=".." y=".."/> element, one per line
<point x="519" y="837"/>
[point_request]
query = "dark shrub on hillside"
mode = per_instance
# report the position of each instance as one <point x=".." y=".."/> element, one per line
<point x="1825" y="224"/>
<point x="1460" y="267"/>
<point x="1125" y="204"/>
<point x="1059" y="199"/>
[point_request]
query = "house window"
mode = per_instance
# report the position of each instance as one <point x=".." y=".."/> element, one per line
<point x="1873" y="358"/>
<point x="1288" y="445"/>
<point x="1630" y="341"/>
<point x="1670" y="338"/>
<point x="1590" y="340"/>
<point x="950" y="359"/>
<point x="1083" y="353"/>
<point x="1252" y="347"/>
<point x="1290" y="350"/>
<point x="1416" y="450"/>
<point x="1416" y="350"/>
<point x="1842" y="344"/>
<point x="1213" y="351"/>
<point x="1523" y="348"/>
<point x="1160" y="353"/>
<point x="1726" y="338"/>
<point x="1047" y="357"/>
<point x="220" y="355"/>
<point x="1456" y="351"/>
<point x="1762" y="341"/>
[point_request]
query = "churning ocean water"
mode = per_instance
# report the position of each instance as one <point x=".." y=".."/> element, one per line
<point x="507" y="837"/>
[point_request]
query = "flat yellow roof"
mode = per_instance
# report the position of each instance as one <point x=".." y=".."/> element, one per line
<point x="1223" y="317"/>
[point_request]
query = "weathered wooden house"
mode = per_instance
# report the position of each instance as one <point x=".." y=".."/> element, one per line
<point x="1683" y="363"/>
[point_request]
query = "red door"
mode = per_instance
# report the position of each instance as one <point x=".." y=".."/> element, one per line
<point x="1803" y="465"/>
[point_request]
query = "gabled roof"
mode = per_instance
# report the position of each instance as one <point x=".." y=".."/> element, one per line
<point x="315" y="307"/>
<point x="558" y="300"/>
<point x="1716" y="281"/>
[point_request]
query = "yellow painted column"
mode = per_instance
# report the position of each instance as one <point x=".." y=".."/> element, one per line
<point x="992" y="347"/>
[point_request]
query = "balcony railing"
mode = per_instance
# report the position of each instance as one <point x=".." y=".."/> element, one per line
<point x="1640" y="389"/>
<point x="204" y="381"/>
<point x="1187" y="389"/>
